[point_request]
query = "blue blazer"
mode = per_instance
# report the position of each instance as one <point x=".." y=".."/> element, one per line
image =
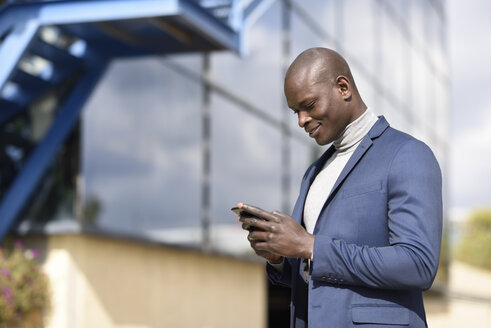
<point x="377" y="238"/>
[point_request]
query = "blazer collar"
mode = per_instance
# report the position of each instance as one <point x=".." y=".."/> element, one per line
<point x="377" y="129"/>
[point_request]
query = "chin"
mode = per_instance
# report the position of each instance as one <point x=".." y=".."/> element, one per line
<point x="321" y="142"/>
<point x="324" y="139"/>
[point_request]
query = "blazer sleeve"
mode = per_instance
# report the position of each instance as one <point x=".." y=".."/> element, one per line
<point x="410" y="260"/>
<point x="283" y="277"/>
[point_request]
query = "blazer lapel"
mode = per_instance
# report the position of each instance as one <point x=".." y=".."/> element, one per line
<point x="365" y="144"/>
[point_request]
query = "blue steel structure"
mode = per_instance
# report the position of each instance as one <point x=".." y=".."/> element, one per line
<point x="93" y="32"/>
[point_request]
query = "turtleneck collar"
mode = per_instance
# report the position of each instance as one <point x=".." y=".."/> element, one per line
<point x="355" y="131"/>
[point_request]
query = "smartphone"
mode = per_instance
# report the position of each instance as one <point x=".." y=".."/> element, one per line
<point x="240" y="211"/>
<point x="236" y="210"/>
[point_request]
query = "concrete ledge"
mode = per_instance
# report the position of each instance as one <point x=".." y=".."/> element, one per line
<point x="72" y="227"/>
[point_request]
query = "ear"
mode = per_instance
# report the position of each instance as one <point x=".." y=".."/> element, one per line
<point x="344" y="87"/>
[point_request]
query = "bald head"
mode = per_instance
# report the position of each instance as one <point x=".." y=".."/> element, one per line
<point x="320" y="64"/>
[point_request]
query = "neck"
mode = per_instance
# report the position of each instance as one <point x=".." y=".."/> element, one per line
<point x="360" y="108"/>
<point x="355" y="131"/>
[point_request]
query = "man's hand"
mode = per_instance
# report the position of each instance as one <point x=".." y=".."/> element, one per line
<point x="272" y="258"/>
<point x="276" y="234"/>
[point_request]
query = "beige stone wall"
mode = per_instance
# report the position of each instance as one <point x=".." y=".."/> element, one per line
<point x="101" y="282"/>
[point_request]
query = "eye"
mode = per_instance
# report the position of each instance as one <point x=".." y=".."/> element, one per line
<point x="310" y="105"/>
<point x="295" y="112"/>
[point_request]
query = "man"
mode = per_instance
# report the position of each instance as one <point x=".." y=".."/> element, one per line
<point x="363" y="241"/>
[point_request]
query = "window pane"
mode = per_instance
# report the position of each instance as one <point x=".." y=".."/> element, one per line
<point x="246" y="164"/>
<point x="141" y="157"/>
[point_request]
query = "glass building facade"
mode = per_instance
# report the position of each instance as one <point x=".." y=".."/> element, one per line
<point x="174" y="142"/>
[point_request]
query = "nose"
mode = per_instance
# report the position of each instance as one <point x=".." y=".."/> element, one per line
<point x="303" y="118"/>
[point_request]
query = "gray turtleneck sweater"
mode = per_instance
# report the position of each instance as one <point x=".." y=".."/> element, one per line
<point x="345" y="146"/>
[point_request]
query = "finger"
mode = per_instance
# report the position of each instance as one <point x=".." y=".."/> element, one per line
<point x="279" y="216"/>
<point x="258" y="236"/>
<point x="253" y="246"/>
<point x="256" y="211"/>
<point x="248" y="220"/>
<point x="261" y="246"/>
<point x="247" y="216"/>
<point x="278" y="213"/>
<point x="258" y="223"/>
<point x="264" y="254"/>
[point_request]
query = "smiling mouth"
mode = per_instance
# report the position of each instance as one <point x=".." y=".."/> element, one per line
<point x="314" y="130"/>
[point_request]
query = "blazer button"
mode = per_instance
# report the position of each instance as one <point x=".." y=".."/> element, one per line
<point x="324" y="278"/>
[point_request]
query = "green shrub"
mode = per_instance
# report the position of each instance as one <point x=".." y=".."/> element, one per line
<point x="475" y="245"/>
<point x="23" y="285"/>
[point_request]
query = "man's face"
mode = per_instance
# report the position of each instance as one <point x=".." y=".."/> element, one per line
<point x="319" y="104"/>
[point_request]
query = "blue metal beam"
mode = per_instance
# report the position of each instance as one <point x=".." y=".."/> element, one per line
<point x="256" y="9"/>
<point x="251" y="14"/>
<point x="70" y="11"/>
<point x="53" y="53"/>
<point x="9" y="16"/>
<point x="209" y="26"/>
<point x="153" y="42"/>
<point x="31" y="87"/>
<point x="75" y="12"/>
<point x="100" y="42"/>
<point x="236" y="18"/>
<point x="40" y="159"/>
<point x="29" y="81"/>
<point x="7" y="110"/>
<point x="14" y="46"/>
